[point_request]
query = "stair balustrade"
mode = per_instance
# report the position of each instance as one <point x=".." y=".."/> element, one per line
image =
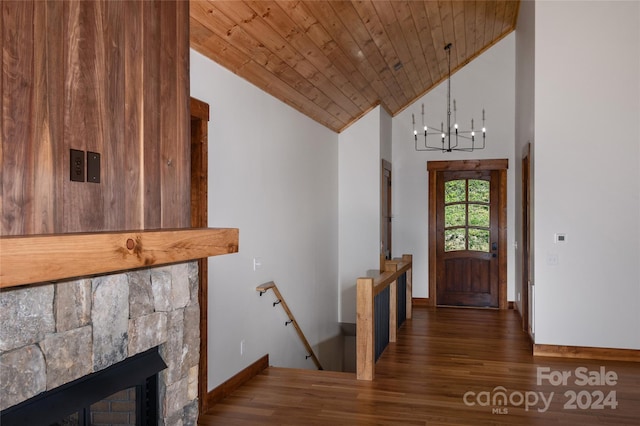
<point x="383" y="304"/>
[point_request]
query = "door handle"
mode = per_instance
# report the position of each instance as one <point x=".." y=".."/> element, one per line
<point x="494" y="246"/>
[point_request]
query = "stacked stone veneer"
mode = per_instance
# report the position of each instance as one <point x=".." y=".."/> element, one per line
<point x="55" y="333"/>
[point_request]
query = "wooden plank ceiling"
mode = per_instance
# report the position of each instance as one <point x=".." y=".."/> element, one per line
<point x="336" y="60"/>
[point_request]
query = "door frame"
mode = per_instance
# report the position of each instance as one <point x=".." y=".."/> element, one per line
<point x="500" y="165"/>
<point x="526" y="239"/>
<point x="199" y="219"/>
<point x="385" y="207"/>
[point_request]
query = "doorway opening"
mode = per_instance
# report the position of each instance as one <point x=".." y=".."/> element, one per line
<point x="526" y="291"/>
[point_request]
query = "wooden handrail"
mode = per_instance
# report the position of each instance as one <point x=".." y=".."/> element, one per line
<point x="39" y="258"/>
<point x="393" y="269"/>
<point x="366" y="290"/>
<point x="263" y="288"/>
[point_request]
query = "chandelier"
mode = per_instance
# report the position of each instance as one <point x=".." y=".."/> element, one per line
<point x="463" y="140"/>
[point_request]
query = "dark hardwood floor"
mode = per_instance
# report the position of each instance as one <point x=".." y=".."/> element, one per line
<point x="449" y="367"/>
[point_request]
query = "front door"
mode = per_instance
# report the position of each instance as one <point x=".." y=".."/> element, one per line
<point x="469" y="237"/>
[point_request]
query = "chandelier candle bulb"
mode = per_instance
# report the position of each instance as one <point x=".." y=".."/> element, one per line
<point x="415" y="132"/>
<point x="484" y="130"/>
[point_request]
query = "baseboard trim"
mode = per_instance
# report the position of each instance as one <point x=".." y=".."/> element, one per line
<point x="424" y="301"/>
<point x="227" y="388"/>
<point x="582" y="352"/>
<point x="420" y="301"/>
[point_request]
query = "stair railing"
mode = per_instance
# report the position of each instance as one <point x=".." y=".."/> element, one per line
<point x="383" y="302"/>
<point x="263" y="288"/>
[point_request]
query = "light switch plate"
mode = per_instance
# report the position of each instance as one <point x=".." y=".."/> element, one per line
<point x="93" y="167"/>
<point x="257" y="263"/>
<point x="560" y="238"/>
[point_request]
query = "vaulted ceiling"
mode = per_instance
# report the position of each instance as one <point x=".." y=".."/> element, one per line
<point x="336" y="60"/>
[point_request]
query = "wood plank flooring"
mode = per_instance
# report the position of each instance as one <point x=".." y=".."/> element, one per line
<point x="442" y="355"/>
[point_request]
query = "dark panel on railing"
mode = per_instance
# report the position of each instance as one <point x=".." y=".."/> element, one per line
<point x="402" y="299"/>
<point x="381" y="313"/>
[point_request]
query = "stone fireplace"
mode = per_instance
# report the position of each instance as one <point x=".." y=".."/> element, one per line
<point x="53" y="334"/>
<point x="125" y="394"/>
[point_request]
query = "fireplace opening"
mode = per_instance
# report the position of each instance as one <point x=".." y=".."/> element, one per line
<point x="125" y="393"/>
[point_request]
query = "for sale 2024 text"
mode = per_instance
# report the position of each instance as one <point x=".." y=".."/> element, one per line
<point x="586" y="397"/>
<point x="583" y="377"/>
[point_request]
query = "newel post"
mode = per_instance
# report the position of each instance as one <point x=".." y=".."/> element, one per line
<point x="365" y="330"/>
<point x="392" y="266"/>
<point x="409" y="258"/>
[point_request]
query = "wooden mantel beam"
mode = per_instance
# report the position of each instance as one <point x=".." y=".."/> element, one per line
<point x="43" y="258"/>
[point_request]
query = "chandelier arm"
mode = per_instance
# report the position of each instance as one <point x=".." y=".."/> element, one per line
<point x="429" y="148"/>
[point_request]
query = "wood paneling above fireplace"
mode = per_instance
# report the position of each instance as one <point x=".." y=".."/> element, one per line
<point x="101" y="76"/>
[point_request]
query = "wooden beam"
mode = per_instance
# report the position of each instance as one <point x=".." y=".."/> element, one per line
<point x="40" y="258"/>
<point x="457" y="165"/>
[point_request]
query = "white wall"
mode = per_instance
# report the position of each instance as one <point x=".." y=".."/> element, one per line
<point x="386" y="136"/>
<point x="587" y="173"/>
<point x="524" y="128"/>
<point x="359" y="199"/>
<point x="486" y="82"/>
<point x="273" y="173"/>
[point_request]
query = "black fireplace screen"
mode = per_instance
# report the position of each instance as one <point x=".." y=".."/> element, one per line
<point x="130" y="383"/>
